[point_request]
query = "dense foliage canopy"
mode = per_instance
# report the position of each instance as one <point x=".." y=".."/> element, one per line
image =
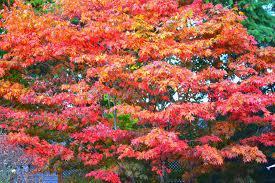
<point x="259" y="20"/>
<point x="120" y="89"/>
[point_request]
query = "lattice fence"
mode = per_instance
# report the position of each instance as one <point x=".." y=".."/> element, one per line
<point x="176" y="172"/>
<point x="9" y="160"/>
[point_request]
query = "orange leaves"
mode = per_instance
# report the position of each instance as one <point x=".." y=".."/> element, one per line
<point x="209" y="155"/>
<point x="212" y="73"/>
<point x="156" y="29"/>
<point x="189" y="111"/>
<point x="244" y="106"/>
<point x="226" y="129"/>
<point x="247" y="152"/>
<point x="175" y="114"/>
<point x="76" y="88"/>
<point x="141" y="27"/>
<point x="125" y="151"/>
<point x="12" y="91"/>
<point x="161" y="75"/>
<point x="20" y="119"/>
<point x="260" y="58"/>
<point x="58" y="99"/>
<point x="266" y="55"/>
<point x="156" y="146"/>
<point x="159" y="136"/>
<point x="27" y="35"/>
<point x="126" y="109"/>
<point x="161" y="145"/>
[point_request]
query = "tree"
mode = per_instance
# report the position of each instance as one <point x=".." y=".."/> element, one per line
<point x="101" y="85"/>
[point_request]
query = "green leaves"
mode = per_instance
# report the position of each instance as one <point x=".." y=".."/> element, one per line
<point x="125" y="122"/>
<point x="2" y="52"/>
<point x="16" y="76"/>
<point x="75" y="20"/>
<point x="38" y="4"/>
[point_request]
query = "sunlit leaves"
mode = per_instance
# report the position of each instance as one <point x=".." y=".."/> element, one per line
<point x="101" y="83"/>
<point x="248" y="153"/>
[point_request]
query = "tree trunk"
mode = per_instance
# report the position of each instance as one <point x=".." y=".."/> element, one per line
<point x="115" y="116"/>
<point x="59" y="177"/>
<point x="162" y="177"/>
<point x="115" y="119"/>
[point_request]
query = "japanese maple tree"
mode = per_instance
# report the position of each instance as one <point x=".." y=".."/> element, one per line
<point x="98" y="85"/>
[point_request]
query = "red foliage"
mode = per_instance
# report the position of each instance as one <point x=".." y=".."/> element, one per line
<point x="179" y="79"/>
<point x="267" y="139"/>
<point x="39" y="150"/>
<point x="105" y="175"/>
<point x="208" y="154"/>
<point x="209" y="138"/>
<point x="160" y="146"/>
